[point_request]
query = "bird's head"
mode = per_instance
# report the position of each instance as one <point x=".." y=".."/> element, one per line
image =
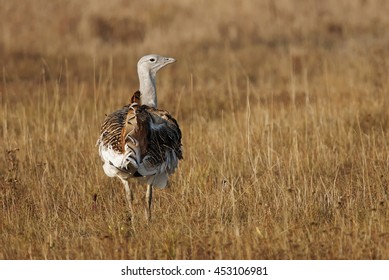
<point x="152" y="63"/>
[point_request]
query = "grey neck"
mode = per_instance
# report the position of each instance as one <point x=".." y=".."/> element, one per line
<point x="147" y="88"/>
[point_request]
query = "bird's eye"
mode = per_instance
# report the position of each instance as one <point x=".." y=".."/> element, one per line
<point x="152" y="59"/>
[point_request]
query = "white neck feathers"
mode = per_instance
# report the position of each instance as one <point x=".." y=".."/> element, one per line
<point x="147" y="87"/>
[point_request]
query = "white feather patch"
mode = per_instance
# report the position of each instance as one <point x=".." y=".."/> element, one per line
<point x="117" y="164"/>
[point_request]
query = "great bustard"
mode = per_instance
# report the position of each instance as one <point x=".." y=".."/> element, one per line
<point x="140" y="141"/>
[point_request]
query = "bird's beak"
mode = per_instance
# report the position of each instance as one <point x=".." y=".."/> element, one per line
<point x="169" y="60"/>
<point x="163" y="61"/>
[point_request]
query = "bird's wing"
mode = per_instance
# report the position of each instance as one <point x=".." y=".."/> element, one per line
<point x="111" y="129"/>
<point x="164" y="148"/>
<point x="118" y="148"/>
<point x="116" y="125"/>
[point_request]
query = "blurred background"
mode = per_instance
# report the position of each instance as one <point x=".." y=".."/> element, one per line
<point x="253" y="31"/>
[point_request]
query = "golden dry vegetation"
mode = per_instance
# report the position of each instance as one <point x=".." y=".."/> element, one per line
<point x="283" y="107"/>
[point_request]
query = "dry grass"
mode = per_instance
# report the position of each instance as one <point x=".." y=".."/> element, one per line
<point x="284" y="113"/>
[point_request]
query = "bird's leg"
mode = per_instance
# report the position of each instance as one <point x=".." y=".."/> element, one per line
<point x="149" y="196"/>
<point x="129" y="196"/>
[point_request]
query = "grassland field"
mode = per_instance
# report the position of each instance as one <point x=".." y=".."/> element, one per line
<point x="283" y="106"/>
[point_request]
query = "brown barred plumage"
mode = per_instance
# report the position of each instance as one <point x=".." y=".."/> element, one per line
<point x="156" y="131"/>
<point x="112" y="127"/>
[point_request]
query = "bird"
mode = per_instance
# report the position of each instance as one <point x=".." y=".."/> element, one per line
<point x="140" y="141"/>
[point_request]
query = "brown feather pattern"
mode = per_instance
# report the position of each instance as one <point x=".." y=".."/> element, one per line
<point x="155" y="132"/>
<point x="112" y="127"/>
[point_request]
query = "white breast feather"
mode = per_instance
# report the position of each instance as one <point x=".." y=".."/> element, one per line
<point x="115" y="162"/>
